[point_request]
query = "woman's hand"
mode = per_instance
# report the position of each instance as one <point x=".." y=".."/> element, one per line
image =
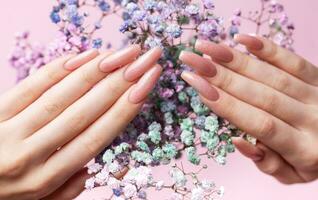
<point x="58" y="119"/>
<point x="273" y="98"/>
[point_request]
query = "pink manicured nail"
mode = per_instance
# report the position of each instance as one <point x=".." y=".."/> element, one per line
<point x="120" y="58"/>
<point x="257" y="157"/>
<point x="250" y="41"/>
<point x="203" y="65"/>
<point x="216" y="51"/>
<point x="80" y="59"/>
<point x="144" y="86"/>
<point x="144" y="63"/>
<point x="201" y="85"/>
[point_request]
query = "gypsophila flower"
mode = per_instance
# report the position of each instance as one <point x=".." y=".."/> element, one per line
<point x="173" y="115"/>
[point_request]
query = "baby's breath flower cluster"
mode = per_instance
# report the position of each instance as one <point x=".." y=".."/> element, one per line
<point x="173" y="122"/>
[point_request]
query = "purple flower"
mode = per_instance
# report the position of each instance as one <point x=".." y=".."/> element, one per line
<point x="173" y="30"/>
<point x="209" y="4"/>
<point x="105" y="7"/>
<point x="97" y="43"/>
<point x="55" y="17"/>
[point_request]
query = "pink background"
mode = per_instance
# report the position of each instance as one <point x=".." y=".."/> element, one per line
<point x="240" y="177"/>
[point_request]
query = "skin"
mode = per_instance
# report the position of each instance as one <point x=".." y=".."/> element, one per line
<point x="272" y="96"/>
<point x="61" y="117"/>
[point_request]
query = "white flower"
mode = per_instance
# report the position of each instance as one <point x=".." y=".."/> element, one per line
<point x="141" y="176"/>
<point x="197" y="194"/>
<point x="94" y="168"/>
<point x="113" y="182"/>
<point x="178" y="177"/>
<point x="129" y="190"/>
<point x="114" y="167"/>
<point x="102" y="177"/>
<point x="90" y="183"/>
<point x="159" y="185"/>
<point x="207" y="185"/>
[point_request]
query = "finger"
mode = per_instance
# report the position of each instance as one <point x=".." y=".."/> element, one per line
<point x="259" y="71"/>
<point x="81" y="114"/>
<point x="72" y="188"/>
<point x="268" y="129"/>
<point x="251" y="92"/>
<point x="280" y="57"/>
<point x="65" y="93"/>
<point x="268" y="161"/>
<point x="100" y="134"/>
<point x="28" y="90"/>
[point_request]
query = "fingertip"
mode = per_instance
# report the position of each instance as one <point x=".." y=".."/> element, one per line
<point x="252" y="42"/>
<point x="248" y="150"/>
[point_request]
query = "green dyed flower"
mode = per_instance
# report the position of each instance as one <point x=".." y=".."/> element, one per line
<point x="143" y="146"/>
<point x="168" y="118"/>
<point x="206" y="135"/>
<point x="198" y="107"/>
<point x="121" y="148"/>
<point x="186" y="124"/>
<point x="108" y="156"/>
<point x="183" y="97"/>
<point x="211" y="123"/>
<point x="191" y="91"/>
<point x="157" y="154"/>
<point x="192" y="155"/>
<point x="213" y="142"/>
<point x="154" y="126"/>
<point x="170" y="150"/>
<point x="187" y="137"/>
<point x="154" y="136"/>
<point x="141" y="157"/>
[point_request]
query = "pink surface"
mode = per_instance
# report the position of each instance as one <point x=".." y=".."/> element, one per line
<point x="240" y="177"/>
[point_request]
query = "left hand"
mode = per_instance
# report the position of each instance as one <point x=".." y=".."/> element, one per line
<point x="273" y="98"/>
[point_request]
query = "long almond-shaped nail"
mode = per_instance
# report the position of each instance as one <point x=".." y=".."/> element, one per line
<point x="80" y="59"/>
<point x="250" y="41"/>
<point x="144" y="63"/>
<point x="120" y="58"/>
<point x="203" y="65"/>
<point x="216" y="51"/>
<point x="201" y="85"/>
<point x="144" y="86"/>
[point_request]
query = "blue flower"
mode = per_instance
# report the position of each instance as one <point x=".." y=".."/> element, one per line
<point x="174" y="30"/>
<point x="125" y="26"/>
<point x="117" y="192"/>
<point x="77" y="20"/>
<point x="97" y="43"/>
<point x="103" y="6"/>
<point x="150" y="4"/>
<point x="70" y="2"/>
<point x="55" y="17"/>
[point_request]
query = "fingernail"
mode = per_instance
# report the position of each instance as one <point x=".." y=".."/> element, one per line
<point x="203" y="65"/>
<point x="201" y="85"/>
<point x="120" y="58"/>
<point x="80" y="59"/>
<point x="144" y="86"/>
<point x="250" y="41"/>
<point x="143" y="64"/>
<point x="216" y="51"/>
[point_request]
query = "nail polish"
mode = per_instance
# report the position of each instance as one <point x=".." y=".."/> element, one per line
<point x="120" y="58"/>
<point x="250" y="41"/>
<point x="202" y="65"/>
<point x="201" y="85"/>
<point x="80" y="59"/>
<point x="144" y="86"/>
<point x="144" y="63"/>
<point x="216" y="51"/>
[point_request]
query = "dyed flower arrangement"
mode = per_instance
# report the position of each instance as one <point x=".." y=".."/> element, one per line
<point x="173" y="122"/>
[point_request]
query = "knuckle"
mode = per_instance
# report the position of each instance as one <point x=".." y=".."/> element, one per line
<point x="76" y="123"/>
<point x="114" y="89"/>
<point x="270" y="101"/>
<point x="51" y="107"/>
<point x="281" y="82"/>
<point x="13" y="166"/>
<point x="266" y="129"/>
<point x="243" y="63"/>
<point x="37" y="189"/>
<point x="301" y="65"/>
<point x="52" y="75"/>
<point x="87" y="78"/>
<point x="272" y="53"/>
<point x="27" y="92"/>
<point x="227" y="81"/>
